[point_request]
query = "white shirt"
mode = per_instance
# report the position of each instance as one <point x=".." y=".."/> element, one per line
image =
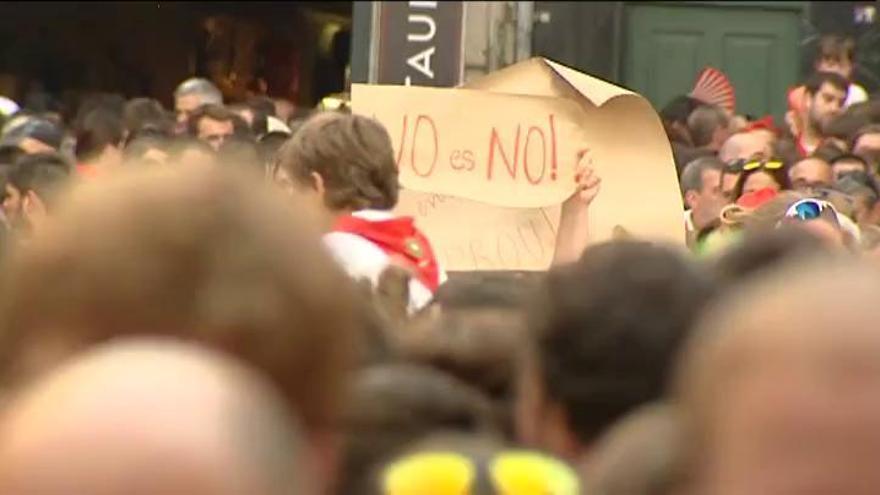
<point x="362" y="259"/>
<point x="855" y="94"/>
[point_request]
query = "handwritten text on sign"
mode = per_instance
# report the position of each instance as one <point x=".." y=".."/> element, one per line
<point x="468" y="235"/>
<point x="507" y="150"/>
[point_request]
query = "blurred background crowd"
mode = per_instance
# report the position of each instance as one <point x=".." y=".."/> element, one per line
<point x="219" y="299"/>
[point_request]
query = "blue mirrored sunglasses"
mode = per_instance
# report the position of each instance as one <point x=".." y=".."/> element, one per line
<point x="807" y="209"/>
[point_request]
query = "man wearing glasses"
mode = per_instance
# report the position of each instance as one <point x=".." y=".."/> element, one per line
<point x="810" y="174"/>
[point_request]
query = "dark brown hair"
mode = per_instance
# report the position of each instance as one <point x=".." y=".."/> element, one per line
<point x="147" y="113"/>
<point x="779" y="175"/>
<point x="816" y="81"/>
<point x="836" y="47"/>
<point x="396" y="405"/>
<point x="608" y="329"/>
<point x="353" y="156"/>
<point x="481" y="346"/>
<point x="218" y="113"/>
<point x="99" y="129"/>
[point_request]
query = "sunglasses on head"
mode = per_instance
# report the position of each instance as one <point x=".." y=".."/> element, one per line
<point x="451" y="473"/>
<point x="764" y="164"/>
<point x="734" y="166"/>
<point x="809" y="209"/>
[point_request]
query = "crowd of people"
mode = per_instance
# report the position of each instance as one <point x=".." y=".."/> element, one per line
<point x="823" y="157"/>
<point x="221" y="300"/>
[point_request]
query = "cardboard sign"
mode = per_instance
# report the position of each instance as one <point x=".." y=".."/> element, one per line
<point x="468" y="235"/>
<point x="629" y="150"/>
<point x="505" y="150"/>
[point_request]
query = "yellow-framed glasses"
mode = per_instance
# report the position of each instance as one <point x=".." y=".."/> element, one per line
<point x="768" y="165"/>
<point x="513" y="472"/>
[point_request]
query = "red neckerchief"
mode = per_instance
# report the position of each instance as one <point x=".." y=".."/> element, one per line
<point x="399" y="239"/>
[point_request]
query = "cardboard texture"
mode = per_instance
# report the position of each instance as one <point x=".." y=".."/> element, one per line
<point x="504" y="150"/>
<point x="468" y="235"/>
<point x="623" y="134"/>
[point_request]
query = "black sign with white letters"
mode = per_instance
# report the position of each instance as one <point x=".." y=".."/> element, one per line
<point x="420" y="43"/>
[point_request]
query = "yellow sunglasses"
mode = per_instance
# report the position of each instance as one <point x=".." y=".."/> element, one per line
<point x="515" y="472"/>
<point x="769" y="165"/>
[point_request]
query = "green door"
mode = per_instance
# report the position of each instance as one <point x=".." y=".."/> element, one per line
<point x="755" y="44"/>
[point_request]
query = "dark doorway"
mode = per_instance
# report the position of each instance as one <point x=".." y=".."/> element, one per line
<point x="147" y="48"/>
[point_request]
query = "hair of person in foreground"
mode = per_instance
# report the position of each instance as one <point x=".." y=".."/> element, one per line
<point x="475" y="329"/>
<point x="779" y="390"/>
<point x="639" y="455"/>
<point x="151" y="415"/>
<point x="395" y="405"/>
<point x="456" y="464"/>
<point x="760" y="251"/>
<point x="606" y="332"/>
<point x="201" y="253"/>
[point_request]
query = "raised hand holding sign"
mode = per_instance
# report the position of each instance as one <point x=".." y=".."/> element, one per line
<point x="502" y="154"/>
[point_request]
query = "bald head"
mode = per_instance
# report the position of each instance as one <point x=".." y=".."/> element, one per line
<point x="149" y="416"/>
<point x="781" y="392"/>
<point x="811" y="172"/>
<point x="745" y="145"/>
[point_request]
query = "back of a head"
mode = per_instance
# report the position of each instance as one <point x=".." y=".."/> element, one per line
<point x="200" y="253"/>
<point x="862" y="131"/>
<point x="640" y="455"/>
<point x="151" y="415"/>
<point x="483" y="348"/>
<point x="241" y="152"/>
<point x="853" y="118"/>
<point x="269" y="145"/>
<point x="353" y="156"/>
<point x="262" y="108"/>
<point x="300" y="116"/>
<point x="703" y="122"/>
<point x="609" y="327"/>
<point x="99" y="129"/>
<point x="394" y="406"/>
<point x="828" y="152"/>
<point x="805" y="335"/>
<point x="147" y="150"/>
<point x="185" y="145"/>
<point x="140" y="113"/>
<point x="765" y="250"/>
<point x="46" y="174"/>
<point x="207" y="91"/>
<point x="859" y="184"/>
<point x="474" y="290"/>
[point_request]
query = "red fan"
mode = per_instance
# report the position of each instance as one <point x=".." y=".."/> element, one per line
<point x="714" y="88"/>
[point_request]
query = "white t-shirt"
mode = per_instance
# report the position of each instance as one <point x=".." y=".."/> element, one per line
<point x="855" y="94"/>
<point x="362" y="259"/>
